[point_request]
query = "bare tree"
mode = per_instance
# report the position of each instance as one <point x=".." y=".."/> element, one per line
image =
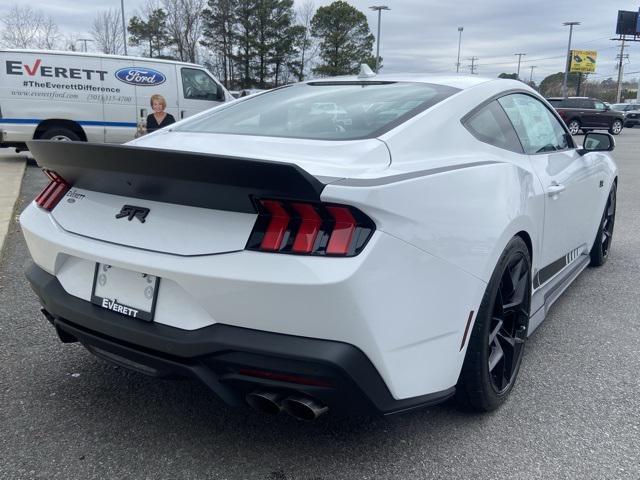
<point x="307" y="46"/>
<point x="25" y="27"/>
<point x="184" y="21"/>
<point x="107" y="32"/>
<point x="48" y="37"/>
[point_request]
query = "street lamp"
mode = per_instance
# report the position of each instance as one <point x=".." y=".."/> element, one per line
<point x="379" y="9"/>
<point x="85" y="40"/>
<point x="460" y="29"/>
<point x="568" y="64"/>
<point x="519" y="55"/>
<point x="124" y="27"/>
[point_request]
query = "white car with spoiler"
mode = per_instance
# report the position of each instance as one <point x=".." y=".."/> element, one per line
<point x="94" y="97"/>
<point x="379" y="260"/>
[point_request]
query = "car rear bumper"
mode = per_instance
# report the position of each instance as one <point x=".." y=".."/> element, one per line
<point x="231" y="361"/>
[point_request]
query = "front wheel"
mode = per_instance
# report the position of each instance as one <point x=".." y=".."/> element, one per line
<point x="574" y="127"/>
<point x="60" y="134"/>
<point x="602" y="244"/>
<point x="616" y="127"/>
<point x="496" y="343"/>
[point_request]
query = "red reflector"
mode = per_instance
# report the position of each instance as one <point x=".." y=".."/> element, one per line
<point x="342" y="234"/>
<point x="277" y="227"/>
<point x="283" y="377"/>
<point x="309" y="228"/>
<point x="53" y="192"/>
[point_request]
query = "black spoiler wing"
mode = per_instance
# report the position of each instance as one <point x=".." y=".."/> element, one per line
<point x="186" y="178"/>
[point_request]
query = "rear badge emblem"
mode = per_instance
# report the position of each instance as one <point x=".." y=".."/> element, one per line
<point x="131" y="212"/>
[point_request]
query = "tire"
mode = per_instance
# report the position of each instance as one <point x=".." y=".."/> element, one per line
<point x="602" y="244"/>
<point x="573" y="126"/>
<point x="616" y="127"/>
<point x="498" y="331"/>
<point x="60" y="134"/>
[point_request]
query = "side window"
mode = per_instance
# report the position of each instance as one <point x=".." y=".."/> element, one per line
<point x="599" y="106"/>
<point x="197" y="85"/>
<point x="491" y="125"/>
<point x="537" y="128"/>
<point x="587" y="104"/>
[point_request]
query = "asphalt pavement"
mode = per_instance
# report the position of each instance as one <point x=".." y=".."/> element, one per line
<point x="574" y="413"/>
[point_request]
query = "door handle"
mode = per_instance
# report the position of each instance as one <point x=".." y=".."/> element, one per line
<point x="181" y="114"/>
<point x="143" y="112"/>
<point x="555" y="188"/>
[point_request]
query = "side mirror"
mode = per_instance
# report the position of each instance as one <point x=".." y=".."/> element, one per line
<point x="607" y="107"/>
<point x="597" y="142"/>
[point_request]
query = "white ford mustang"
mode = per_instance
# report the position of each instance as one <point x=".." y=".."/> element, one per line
<point x="367" y="244"/>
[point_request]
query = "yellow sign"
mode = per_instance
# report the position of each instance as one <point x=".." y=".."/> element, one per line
<point x="583" y="61"/>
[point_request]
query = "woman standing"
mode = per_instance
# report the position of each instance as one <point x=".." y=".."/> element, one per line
<point x="159" y="118"/>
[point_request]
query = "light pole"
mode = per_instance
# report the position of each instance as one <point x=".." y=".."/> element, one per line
<point x="460" y="29"/>
<point x="531" y="76"/>
<point x="85" y="40"/>
<point x="124" y="27"/>
<point x="519" y="55"/>
<point x="568" y="63"/>
<point x="379" y="9"/>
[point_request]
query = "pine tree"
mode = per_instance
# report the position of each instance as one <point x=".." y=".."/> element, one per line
<point x="345" y="39"/>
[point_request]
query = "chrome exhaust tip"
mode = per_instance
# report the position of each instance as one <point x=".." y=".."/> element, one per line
<point x="265" y="402"/>
<point x="304" y="408"/>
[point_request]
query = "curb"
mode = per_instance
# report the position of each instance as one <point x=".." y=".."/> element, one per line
<point x="12" y="168"/>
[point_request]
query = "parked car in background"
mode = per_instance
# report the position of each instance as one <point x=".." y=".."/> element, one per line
<point x="94" y="97"/>
<point x="585" y="114"/>
<point x="631" y="113"/>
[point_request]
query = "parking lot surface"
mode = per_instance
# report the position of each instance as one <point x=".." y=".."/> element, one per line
<point x="574" y="413"/>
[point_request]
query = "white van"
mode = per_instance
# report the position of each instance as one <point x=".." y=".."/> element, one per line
<point x="94" y="97"/>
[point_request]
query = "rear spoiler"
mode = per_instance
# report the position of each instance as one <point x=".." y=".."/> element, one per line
<point x="185" y="178"/>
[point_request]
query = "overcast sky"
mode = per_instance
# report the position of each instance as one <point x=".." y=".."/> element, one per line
<point x="422" y="35"/>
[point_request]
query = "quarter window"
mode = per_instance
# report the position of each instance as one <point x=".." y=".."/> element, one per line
<point x="491" y="125"/>
<point x="537" y="128"/>
<point x="197" y="85"/>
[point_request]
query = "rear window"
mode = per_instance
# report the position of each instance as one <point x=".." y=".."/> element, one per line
<point x="323" y="110"/>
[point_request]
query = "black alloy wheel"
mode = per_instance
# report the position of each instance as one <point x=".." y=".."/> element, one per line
<point x="509" y="324"/>
<point x="602" y="244"/>
<point x="496" y="344"/>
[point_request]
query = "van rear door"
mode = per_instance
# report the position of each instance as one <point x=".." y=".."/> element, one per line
<point x="198" y="90"/>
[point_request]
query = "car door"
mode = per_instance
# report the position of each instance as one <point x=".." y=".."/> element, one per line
<point x="603" y="117"/>
<point x="588" y="113"/>
<point x="569" y="181"/>
<point x="198" y="91"/>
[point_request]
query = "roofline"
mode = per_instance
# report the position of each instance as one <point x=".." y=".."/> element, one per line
<point x="97" y="55"/>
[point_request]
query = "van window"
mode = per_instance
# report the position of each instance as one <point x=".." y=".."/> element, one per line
<point x="197" y="85"/>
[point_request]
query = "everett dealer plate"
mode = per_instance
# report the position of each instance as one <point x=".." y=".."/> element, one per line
<point x="125" y="292"/>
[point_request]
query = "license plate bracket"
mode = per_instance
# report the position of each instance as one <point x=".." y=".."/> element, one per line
<point x="126" y="292"/>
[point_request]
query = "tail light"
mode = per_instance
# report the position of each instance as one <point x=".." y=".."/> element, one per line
<point x="53" y="192"/>
<point x="305" y="228"/>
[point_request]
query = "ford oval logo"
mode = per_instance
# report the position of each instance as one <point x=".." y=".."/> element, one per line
<point x="141" y="77"/>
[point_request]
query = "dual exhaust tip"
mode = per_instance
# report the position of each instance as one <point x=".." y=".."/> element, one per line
<point x="298" y="406"/>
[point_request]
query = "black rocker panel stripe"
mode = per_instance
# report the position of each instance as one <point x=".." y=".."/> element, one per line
<point x="185" y="178"/>
<point x="545" y="273"/>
